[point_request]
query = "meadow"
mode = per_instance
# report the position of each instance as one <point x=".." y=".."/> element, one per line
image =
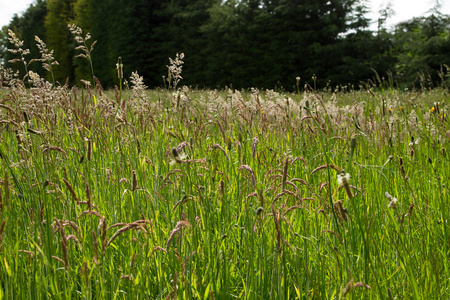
<point x="180" y="193"/>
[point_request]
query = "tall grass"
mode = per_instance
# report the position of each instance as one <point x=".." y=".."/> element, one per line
<point x="208" y="194"/>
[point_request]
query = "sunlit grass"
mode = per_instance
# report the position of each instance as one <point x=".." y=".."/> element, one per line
<point x="223" y="194"/>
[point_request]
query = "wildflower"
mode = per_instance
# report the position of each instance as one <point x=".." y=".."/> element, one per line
<point x="343" y="179"/>
<point x="178" y="156"/>
<point x="392" y="201"/>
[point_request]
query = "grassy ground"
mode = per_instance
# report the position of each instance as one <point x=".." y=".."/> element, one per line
<point x="223" y="194"/>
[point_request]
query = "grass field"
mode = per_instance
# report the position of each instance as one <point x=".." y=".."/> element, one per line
<point x="223" y="194"/>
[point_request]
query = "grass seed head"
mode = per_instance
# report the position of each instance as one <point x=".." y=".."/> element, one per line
<point x="119" y="67"/>
<point x="341" y="212"/>
<point x="343" y="179"/>
<point x="134" y="182"/>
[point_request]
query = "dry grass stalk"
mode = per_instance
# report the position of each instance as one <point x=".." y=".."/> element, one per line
<point x="90" y="212"/>
<point x="104" y="229"/>
<point x="277" y="170"/>
<point x="274" y="177"/>
<point x="175" y="283"/>
<point x="221" y="131"/>
<point x="85" y="272"/>
<point x="238" y="143"/>
<point x="217" y="146"/>
<point x="336" y="168"/>
<point x="73" y="226"/>
<point x="2" y="228"/>
<point x="58" y="259"/>
<point x="410" y="209"/>
<point x="254" y="144"/>
<point x="10" y="109"/>
<point x="295" y="187"/>
<point x="134" y="181"/>
<point x="292" y="208"/>
<point x="9" y="122"/>
<point x="254" y="194"/>
<point x="299" y="158"/>
<point x="322" y="186"/>
<point x="250" y="171"/>
<point x="221" y="188"/>
<point x="54" y="148"/>
<point x="158" y="248"/>
<point x="108" y="175"/>
<point x="95" y="246"/>
<point x="6" y="188"/>
<point x="88" y="195"/>
<point x="65" y="249"/>
<point x="116" y="225"/>
<point x="132" y="240"/>
<point x="41" y="213"/>
<point x="71" y="190"/>
<point x="176" y="230"/>
<point x="120" y="231"/>
<point x="350" y="286"/>
<point x="89" y="149"/>
<point x="259" y="211"/>
<point x="29" y="253"/>
<point x="286" y="164"/>
<point x="340" y="211"/>
<point x="261" y="197"/>
<point x="182" y="201"/>
<point x="278" y="196"/>
<point x="333" y="233"/>
<point x="276" y="221"/>
<point x="129" y="277"/>
<point x="170" y="173"/>
<point x="289" y="245"/>
<point x="402" y="169"/>
<point x="73" y="237"/>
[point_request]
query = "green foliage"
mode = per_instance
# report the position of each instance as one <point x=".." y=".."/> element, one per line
<point x="422" y="46"/>
<point x="238" y="43"/>
<point x="58" y="37"/>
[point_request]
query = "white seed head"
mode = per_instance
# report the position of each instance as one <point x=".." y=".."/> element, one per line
<point x="343" y="177"/>
<point x="393" y="203"/>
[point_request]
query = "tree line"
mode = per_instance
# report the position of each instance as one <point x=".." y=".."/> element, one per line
<point x="246" y="43"/>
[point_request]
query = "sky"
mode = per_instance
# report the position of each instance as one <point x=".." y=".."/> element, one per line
<point x="404" y="9"/>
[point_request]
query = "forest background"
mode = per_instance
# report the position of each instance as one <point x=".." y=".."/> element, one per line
<point x="248" y="43"/>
